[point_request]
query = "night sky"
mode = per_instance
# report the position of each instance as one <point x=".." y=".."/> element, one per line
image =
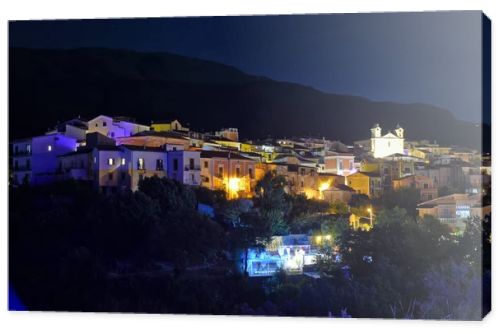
<point x="432" y="58"/>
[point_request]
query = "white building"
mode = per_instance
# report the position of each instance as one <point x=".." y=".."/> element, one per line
<point x="115" y="127"/>
<point x="142" y="162"/>
<point x="184" y="166"/>
<point x="388" y="144"/>
<point x="21" y="161"/>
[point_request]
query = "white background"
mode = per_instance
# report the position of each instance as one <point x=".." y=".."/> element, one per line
<point x="50" y="322"/>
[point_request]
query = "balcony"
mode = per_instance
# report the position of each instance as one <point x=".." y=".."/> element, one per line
<point x="195" y="168"/>
<point x="21" y="168"/>
<point x="21" y="153"/>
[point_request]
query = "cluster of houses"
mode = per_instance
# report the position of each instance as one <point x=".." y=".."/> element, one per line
<point x="115" y="153"/>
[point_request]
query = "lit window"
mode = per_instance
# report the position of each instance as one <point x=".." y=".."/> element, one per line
<point x="123" y="161"/>
<point x="140" y="163"/>
<point x="111" y="161"/>
<point x="49" y="148"/>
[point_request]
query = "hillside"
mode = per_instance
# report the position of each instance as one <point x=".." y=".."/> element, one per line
<point x="46" y="86"/>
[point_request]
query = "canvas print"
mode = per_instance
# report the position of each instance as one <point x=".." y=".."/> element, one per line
<point x="286" y="165"/>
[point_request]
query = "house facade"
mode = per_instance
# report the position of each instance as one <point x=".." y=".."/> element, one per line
<point x="185" y="167"/>
<point x="454" y="210"/>
<point x="20" y="164"/>
<point x="424" y="184"/>
<point x="45" y="151"/>
<point x="115" y="127"/>
<point x="365" y="183"/>
<point x="338" y="163"/>
<point x="228" y="171"/>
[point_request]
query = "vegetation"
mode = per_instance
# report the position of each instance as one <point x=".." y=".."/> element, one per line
<point x="152" y="251"/>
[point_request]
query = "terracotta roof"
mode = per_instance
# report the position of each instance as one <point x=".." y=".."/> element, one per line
<point x="223" y="154"/>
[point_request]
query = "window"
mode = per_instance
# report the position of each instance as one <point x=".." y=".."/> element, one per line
<point x="111" y="161"/>
<point x="140" y="164"/>
<point x="159" y="164"/>
<point x="176" y="164"/>
<point x="49" y="148"/>
<point x="96" y="125"/>
<point x="192" y="179"/>
<point x="250" y="173"/>
<point x="221" y="171"/>
<point x="426" y="186"/>
<point x="112" y="134"/>
<point x="124" y="175"/>
<point x="103" y="123"/>
<point x="205" y="164"/>
<point x="16" y="165"/>
<point x="95" y="160"/>
<point x="123" y="161"/>
<point x="302" y="171"/>
<point x="302" y="184"/>
<point x="28" y="148"/>
<point x="16" y="149"/>
<point x="28" y="163"/>
<point x="191" y="164"/>
<point x="237" y="171"/>
<point x="110" y="176"/>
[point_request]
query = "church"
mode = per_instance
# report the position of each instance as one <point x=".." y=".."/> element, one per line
<point x="388" y="144"/>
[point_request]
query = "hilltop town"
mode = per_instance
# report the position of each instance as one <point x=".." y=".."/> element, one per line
<point x="116" y="153"/>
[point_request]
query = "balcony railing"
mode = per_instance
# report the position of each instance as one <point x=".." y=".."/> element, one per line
<point x="21" y="153"/>
<point x="21" y="168"/>
<point x="195" y="168"/>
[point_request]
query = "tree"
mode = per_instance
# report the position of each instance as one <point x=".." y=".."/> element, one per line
<point x="406" y="198"/>
<point x="340" y="208"/>
<point x="270" y="199"/>
<point x="170" y="194"/>
<point x="251" y="231"/>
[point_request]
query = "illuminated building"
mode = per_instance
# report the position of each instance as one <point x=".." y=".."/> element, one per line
<point x="339" y="163"/>
<point x="228" y="171"/>
<point x="115" y="127"/>
<point x="228" y="133"/>
<point x="21" y="161"/>
<point x="454" y="210"/>
<point x="388" y="144"/>
<point x="142" y="162"/>
<point x="291" y="253"/>
<point x="185" y="166"/>
<point x="168" y="125"/>
<point x="76" y="128"/>
<point x="338" y="193"/>
<point x="369" y="184"/>
<point x="168" y="140"/>
<point x="423" y="183"/>
<point x="45" y="150"/>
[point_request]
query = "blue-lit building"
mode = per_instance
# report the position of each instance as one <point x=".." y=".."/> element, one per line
<point x="45" y="165"/>
<point x="292" y="253"/>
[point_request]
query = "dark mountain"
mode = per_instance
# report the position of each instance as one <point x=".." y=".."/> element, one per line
<point x="47" y="86"/>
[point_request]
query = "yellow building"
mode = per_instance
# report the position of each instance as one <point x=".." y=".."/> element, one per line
<point x="168" y="125"/>
<point x="365" y="183"/>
